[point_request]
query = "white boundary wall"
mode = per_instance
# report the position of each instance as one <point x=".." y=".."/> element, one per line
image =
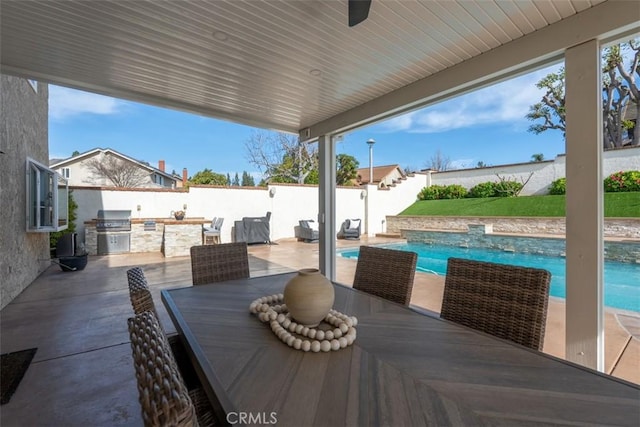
<point x="543" y="172"/>
<point x="288" y="203"/>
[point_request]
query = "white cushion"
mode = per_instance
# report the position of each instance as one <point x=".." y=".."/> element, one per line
<point x="354" y="224"/>
<point x="314" y="225"/>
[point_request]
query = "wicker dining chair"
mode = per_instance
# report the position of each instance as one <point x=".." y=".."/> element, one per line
<point x="506" y="301"/>
<point x="217" y="263"/>
<point x="137" y="280"/>
<point x="139" y="294"/>
<point x="163" y="395"/>
<point x="387" y="273"/>
<point x="141" y="301"/>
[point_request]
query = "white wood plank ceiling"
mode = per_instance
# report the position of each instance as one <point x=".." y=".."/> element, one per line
<point x="278" y="64"/>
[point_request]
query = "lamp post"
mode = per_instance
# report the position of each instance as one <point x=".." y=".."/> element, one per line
<point x="370" y="143"/>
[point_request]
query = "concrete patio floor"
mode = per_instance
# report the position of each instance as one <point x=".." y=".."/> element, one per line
<point x="82" y="373"/>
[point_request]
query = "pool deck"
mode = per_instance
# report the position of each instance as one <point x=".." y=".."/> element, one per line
<point x="82" y="373"/>
<point x="622" y="328"/>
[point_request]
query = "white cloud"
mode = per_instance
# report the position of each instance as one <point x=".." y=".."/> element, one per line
<point x="65" y="103"/>
<point x="505" y="102"/>
<point x="400" y="123"/>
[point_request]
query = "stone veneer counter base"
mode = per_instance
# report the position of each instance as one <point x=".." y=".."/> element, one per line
<point x="170" y="236"/>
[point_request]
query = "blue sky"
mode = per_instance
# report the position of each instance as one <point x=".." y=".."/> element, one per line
<point x="487" y="125"/>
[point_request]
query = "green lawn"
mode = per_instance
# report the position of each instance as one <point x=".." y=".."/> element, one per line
<point x="615" y="205"/>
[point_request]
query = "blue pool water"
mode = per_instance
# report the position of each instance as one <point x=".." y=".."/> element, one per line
<point x="622" y="280"/>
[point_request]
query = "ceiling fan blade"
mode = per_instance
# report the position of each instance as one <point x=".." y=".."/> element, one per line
<point x="358" y="11"/>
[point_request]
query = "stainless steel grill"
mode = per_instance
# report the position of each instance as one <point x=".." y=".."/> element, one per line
<point x="114" y="231"/>
<point x="113" y="225"/>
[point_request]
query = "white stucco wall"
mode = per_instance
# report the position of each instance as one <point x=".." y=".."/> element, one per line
<point x="543" y="172"/>
<point x="392" y="201"/>
<point x="288" y="205"/>
<point x="291" y="203"/>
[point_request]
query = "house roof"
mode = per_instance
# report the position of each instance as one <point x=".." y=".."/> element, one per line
<point x="379" y="173"/>
<point x="292" y="65"/>
<point x="60" y="163"/>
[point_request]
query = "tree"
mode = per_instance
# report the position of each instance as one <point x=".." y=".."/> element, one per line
<point x="208" y="177"/>
<point x="281" y="157"/>
<point x="75" y="153"/>
<point x="247" y="180"/>
<point x="228" y="179"/>
<point x="408" y="169"/>
<point x="236" y="180"/>
<point x="619" y="90"/>
<point x="72" y="207"/>
<point x="481" y="164"/>
<point x="347" y="169"/>
<point x="538" y="157"/>
<point x="121" y="173"/>
<point x="439" y="162"/>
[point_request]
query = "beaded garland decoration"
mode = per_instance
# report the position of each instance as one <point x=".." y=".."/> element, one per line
<point x="272" y="309"/>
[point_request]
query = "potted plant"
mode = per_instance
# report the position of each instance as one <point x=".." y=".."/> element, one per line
<point x="71" y="228"/>
<point x="179" y="215"/>
<point x="75" y="262"/>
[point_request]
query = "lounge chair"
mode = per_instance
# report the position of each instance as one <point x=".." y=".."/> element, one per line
<point x="350" y="229"/>
<point x="307" y="230"/>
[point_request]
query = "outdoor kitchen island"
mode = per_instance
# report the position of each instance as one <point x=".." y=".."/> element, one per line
<point x="170" y="236"/>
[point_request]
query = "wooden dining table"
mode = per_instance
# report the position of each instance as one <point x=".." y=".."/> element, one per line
<point x="405" y="368"/>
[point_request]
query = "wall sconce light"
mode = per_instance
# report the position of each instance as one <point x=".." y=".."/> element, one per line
<point x="184" y="206"/>
<point x="138" y="208"/>
<point x="272" y="192"/>
<point x="363" y="194"/>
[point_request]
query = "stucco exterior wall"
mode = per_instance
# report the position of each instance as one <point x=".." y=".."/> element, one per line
<point x="542" y="173"/>
<point x="23" y="133"/>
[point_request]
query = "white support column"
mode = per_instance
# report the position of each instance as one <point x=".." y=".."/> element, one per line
<point x="584" y="206"/>
<point x="327" y="205"/>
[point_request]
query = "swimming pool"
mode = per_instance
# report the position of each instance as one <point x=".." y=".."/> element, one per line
<point x="621" y="280"/>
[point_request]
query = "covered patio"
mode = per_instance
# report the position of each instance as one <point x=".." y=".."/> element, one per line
<point x="295" y="66"/>
<point x="82" y="372"/>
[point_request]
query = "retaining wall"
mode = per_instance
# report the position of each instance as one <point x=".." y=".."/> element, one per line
<point x="481" y="236"/>
<point x="628" y="228"/>
<point x="542" y="174"/>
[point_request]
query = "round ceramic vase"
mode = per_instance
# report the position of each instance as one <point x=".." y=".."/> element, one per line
<point x="309" y="297"/>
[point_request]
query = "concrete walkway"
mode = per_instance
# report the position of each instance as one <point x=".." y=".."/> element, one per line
<point x="82" y="373"/>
